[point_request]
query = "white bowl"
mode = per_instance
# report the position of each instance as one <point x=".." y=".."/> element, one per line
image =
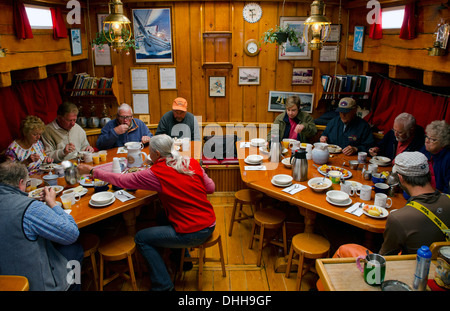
<point x="313" y="184"/>
<point x="287" y="162"/>
<point x="254" y="158"/>
<point x="337" y="196"/>
<point x="258" y="142"/>
<point x="282" y="179"/>
<point x="102" y="197"/>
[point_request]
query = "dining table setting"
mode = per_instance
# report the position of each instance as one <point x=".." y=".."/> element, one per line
<point x="359" y="194"/>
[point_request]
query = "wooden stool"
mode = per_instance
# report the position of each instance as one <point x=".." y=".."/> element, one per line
<point x="211" y="241"/>
<point x="241" y="197"/>
<point x="90" y="243"/>
<point x="114" y="250"/>
<point x="14" y="283"/>
<point x="306" y="245"/>
<point x="268" y="218"/>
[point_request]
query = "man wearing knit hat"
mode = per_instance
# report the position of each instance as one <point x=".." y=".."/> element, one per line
<point x="347" y="130"/>
<point x="408" y="228"/>
<point x="179" y="122"/>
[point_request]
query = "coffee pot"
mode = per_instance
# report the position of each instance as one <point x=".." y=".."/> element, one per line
<point x="275" y="149"/>
<point x="70" y="172"/>
<point x="393" y="182"/>
<point x="299" y="165"/>
<point x="320" y="153"/>
<point x="134" y="156"/>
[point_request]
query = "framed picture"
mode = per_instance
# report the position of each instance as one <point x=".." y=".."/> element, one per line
<point x="287" y="51"/>
<point x="249" y="75"/>
<point x="75" y="41"/>
<point x="358" y="39"/>
<point x="329" y="53"/>
<point x="139" y="78"/>
<point x="167" y="78"/>
<point x="302" y="76"/>
<point x="145" y="118"/>
<point x="335" y="33"/>
<point x="217" y="86"/>
<point x="153" y="35"/>
<point x="277" y="100"/>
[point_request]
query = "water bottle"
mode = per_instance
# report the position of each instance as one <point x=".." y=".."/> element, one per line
<point x="422" y="268"/>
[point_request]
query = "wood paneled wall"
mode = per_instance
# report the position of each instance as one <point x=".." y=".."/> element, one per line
<point x="241" y="103"/>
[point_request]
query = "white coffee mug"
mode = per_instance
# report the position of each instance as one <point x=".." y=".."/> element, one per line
<point x="381" y="200"/>
<point x="294" y="144"/>
<point x="365" y="192"/>
<point x="373" y="168"/>
<point x="347" y="188"/>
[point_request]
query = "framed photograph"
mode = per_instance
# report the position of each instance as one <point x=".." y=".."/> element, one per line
<point x="145" y="118"/>
<point x="249" y="75"/>
<point x="287" y="51"/>
<point x="358" y="39"/>
<point x="277" y="100"/>
<point x="216" y="86"/>
<point x="153" y="35"/>
<point x="329" y="53"/>
<point x="167" y="78"/>
<point x="302" y="76"/>
<point x="139" y="79"/>
<point x="335" y="33"/>
<point x="75" y="41"/>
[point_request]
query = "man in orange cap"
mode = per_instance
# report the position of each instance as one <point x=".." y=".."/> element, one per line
<point x="179" y="122"/>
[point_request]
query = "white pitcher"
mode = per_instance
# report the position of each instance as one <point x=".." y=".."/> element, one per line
<point x="134" y="157"/>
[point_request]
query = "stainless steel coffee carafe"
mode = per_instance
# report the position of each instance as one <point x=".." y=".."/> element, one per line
<point x="275" y="149"/>
<point x="299" y="165"/>
<point x="70" y="172"/>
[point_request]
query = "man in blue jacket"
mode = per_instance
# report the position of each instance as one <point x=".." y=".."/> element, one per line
<point x="348" y="131"/>
<point x="123" y="129"/>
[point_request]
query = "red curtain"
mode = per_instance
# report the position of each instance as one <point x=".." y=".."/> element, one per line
<point x="408" y="30"/>
<point x="40" y="98"/>
<point x="389" y="99"/>
<point x="376" y="31"/>
<point x="21" y="22"/>
<point x="59" y="26"/>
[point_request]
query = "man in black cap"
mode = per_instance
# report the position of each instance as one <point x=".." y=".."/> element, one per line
<point x="348" y="131"/>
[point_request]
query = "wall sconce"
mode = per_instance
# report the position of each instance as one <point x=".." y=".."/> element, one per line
<point x="116" y="26"/>
<point x="440" y="44"/>
<point x="317" y="26"/>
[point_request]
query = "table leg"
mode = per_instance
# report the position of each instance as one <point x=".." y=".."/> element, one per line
<point x="130" y="219"/>
<point x="310" y="218"/>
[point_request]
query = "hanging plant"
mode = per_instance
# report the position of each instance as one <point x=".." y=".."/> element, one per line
<point x="100" y="40"/>
<point x="280" y="35"/>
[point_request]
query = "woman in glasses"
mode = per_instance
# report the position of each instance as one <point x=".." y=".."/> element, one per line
<point x="436" y="149"/>
<point x="123" y="129"/>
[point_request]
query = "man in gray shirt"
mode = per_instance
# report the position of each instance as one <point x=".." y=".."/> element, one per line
<point x="179" y="122"/>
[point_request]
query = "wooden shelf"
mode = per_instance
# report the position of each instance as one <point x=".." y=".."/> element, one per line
<point x="224" y="65"/>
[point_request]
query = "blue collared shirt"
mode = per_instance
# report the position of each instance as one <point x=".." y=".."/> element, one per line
<point x="53" y="224"/>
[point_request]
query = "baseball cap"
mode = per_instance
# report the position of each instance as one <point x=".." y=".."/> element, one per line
<point x="346" y="104"/>
<point x="179" y="103"/>
<point x="411" y="164"/>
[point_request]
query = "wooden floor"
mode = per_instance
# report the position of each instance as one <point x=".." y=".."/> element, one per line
<point x="242" y="273"/>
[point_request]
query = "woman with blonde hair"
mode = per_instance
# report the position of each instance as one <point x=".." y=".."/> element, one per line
<point x="29" y="149"/>
<point x="182" y="185"/>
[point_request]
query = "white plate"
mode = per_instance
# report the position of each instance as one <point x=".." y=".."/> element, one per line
<point x="86" y="181"/>
<point x="263" y="150"/>
<point x="384" y="213"/>
<point x="252" y="163"/>
<point x="335" y="168"/>
<point x="81" y="193"/>
<point x="334" y="149"/>
<point x="281" y="185"/>
<point x="46" y="167"/>
<point x="35" y="193"/>
<point x="373" y="161"/>
<point x="345" y="203"/>
<point x="102" y="205"/>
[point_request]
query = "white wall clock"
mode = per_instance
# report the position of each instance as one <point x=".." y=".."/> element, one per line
<point x="252" y="12"/>
<point x="251" y="47"/>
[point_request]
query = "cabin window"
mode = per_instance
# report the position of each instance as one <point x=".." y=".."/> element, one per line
<point x="392" y="18"/>
<point x="39" y="17"/>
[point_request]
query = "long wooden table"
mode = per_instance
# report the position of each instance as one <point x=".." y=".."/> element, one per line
<point x="341" y="274"/>
<point x="309" y="202"/>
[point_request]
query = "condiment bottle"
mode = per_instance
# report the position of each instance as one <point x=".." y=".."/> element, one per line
<point x="422" y="268"/>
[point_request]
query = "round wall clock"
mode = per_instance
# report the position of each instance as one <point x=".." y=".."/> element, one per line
<point x="251" y="47"/>
<point x="252" y="12"/>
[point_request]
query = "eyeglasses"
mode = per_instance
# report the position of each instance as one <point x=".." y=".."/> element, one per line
<point x="433" y="140"/>
<point x="125" y="117"/>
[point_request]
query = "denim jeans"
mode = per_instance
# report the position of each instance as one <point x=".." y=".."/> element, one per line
<point x="151" y="239"/>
